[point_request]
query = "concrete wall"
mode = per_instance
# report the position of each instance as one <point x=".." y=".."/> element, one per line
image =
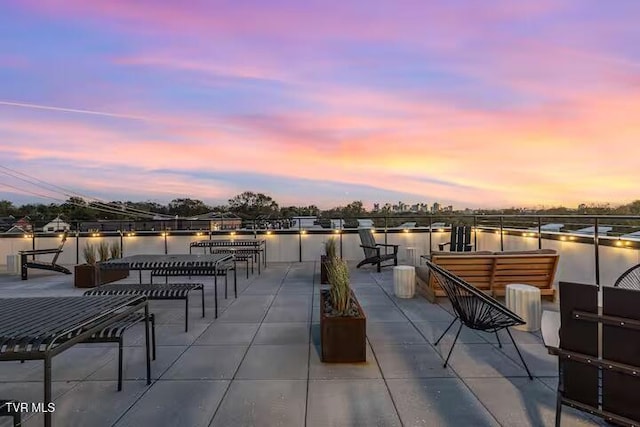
<point x="577" y="260"/>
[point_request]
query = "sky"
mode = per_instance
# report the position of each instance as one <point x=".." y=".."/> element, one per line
<point x="475" y="104"/>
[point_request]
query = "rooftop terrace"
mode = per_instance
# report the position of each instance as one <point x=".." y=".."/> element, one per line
<point x="258" y="364"/>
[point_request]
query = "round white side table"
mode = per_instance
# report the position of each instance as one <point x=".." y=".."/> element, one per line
<point x="524" y="300"/>
<point x="404" y="281"/>
<point x="411" y="256"/>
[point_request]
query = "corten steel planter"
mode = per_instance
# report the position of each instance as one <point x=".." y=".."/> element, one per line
<point x="111" y="275"/>
<point x="342" y="339"/>
<point x="323" y="269"/>
<point x="85" y="276"/>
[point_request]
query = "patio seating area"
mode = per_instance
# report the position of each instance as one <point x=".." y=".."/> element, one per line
<point x="258" y="363"/>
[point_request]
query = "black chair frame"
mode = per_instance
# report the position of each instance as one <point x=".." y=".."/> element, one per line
<point x="475" y="310"/>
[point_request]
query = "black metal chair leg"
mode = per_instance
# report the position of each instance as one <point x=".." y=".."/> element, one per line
<point x="235" y="280"/>
<point x="146" y="341"/>
<point x="519" y="354"/>
<point x="215" y="296"/>
<point x="202" y="291"/>
<point x="558" y="409"/>
<point x="452" y="345"/>
<point x="120" y="363"/>
<point x="186" y="314"/>
<point x="445" y="331"/>
<point x="153" y="334"/>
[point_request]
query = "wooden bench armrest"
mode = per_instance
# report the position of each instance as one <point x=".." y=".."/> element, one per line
<point x="40" y="251"/>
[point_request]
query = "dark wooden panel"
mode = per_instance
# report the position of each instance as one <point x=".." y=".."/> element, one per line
<point x="619" y="391"/>
<point x="580" y="381"/>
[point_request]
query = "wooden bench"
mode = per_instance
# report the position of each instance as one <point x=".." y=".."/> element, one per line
<point x="490" y="272"/>
<point x="33" y="263"/>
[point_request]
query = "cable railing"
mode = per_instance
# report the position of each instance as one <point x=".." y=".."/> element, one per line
<point x="496" y="232"/>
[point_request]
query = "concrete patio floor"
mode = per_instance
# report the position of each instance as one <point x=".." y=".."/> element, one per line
<point x="258" y="364"/>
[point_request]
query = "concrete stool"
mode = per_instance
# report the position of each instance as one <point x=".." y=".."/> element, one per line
<point x="411" y="256"/>
<point x="13" y="264"/>
<point x="404" y="281"/>
<point x="524" y="300"/>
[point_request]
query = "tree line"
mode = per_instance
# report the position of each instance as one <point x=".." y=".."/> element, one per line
<point x="247" y="205"/>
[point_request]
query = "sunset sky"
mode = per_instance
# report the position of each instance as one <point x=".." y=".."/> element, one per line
<point x="470" y="103"/>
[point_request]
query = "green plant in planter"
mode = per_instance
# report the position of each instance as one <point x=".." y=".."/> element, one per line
<point x="115" y="250"/>
<point x="340" y="291"/>
<point x="89" y="253"/>
<point x="103" y="251"/>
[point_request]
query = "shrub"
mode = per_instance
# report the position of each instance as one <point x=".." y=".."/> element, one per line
<point x="115" y="250"/>
<point x="338" y="275"/>
<point x="103" y="251"/>
<point x="89" y="253"/>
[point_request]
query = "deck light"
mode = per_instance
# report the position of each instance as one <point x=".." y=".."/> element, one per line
<point x="164" y="233"/>
<point x="95" y="234"/>
<point x="268" y="232"/>
<point x="303" y="231"/>
<point x="406" y="230"/>
<point x="27" y="236"/>
<point x="199" y="233"/>
<point x="618" y="242"/>
<point x="233" y="233"/>
<point x="131" y="234"/>
<point x="337" y="231"/>
<point x="563" y="238"/>
<point x="441" y="230"/>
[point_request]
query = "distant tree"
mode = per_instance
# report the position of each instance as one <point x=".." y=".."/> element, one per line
<point x="7" y="208"/>
<point x="187" y="207"/>
<point x="252" y="205"/>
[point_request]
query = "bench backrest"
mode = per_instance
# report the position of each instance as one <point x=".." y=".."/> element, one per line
<point x="460" y="239"/>
<point x="537" y="270"/>
<point x="494" y="271"/>
<point x="475" y="269"/>
<point x="64" y="239"/>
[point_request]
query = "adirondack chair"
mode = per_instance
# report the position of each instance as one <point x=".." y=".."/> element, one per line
<point x="33" y="263"/>
<point x="372" y="251"/>
<point x="460" y="240"/>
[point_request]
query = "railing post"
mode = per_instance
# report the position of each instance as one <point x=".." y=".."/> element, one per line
<point x="121" y="243"/>
<point x="596" y="239"/>
<point x="33" y="241"/>
<point x="475" y="233"/>
<point x="166" y="248"/>
<point x="386" y="226"/>
<point x="300" y="240"/>
<point x="430" y="234"/>
<point x="77" y="244"/>
<point x="501" y="234"/>
<point x="340" y="232"/>
<point x="539" y="233"/>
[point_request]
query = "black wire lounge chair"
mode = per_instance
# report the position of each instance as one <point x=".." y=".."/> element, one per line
<point x="372" y="250"/>
<point x="460" y="240"/>
<point x="474" y="309"/>
<point x="630" y="279"/>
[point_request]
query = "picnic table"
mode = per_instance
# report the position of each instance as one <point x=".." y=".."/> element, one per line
<point x="257" y="246"/>
<point x="40" y="328"/>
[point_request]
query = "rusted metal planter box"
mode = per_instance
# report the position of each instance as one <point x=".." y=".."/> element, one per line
<point x="342" y="339"/>
<point x="85" y="276"/>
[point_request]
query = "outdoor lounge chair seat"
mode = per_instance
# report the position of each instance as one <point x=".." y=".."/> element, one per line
<point x="372" y="250"/>
<point x="475" y="310"/>
<point x="166" y="291"/>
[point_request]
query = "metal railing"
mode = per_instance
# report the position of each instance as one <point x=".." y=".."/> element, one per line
<point x="617" y="227"/>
